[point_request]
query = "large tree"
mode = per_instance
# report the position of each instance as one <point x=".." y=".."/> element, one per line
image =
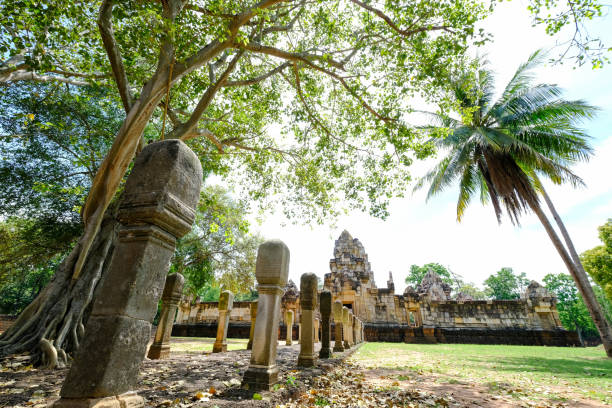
<point x="498" y="148"/>
<point x="335" y="76"/>
<point x="506" y="285"/>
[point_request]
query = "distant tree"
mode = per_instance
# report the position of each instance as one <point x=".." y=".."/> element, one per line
<point x="598" y="261"/>
<point x="572" y="311"/>
<point x="219" y="251"/>
<point x="416" y="273"/>
<point x="471" y="290"/>
<point x="505" y="284"/>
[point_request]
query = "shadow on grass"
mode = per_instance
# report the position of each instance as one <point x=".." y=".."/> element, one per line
<point x="575" y="368"/>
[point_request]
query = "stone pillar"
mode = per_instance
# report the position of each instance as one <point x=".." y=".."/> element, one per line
<point x="157" y="207"/>
<point x="346" y="327"/>
<point x="338" y="335"/>
<point x="325" y="307"/>
<point x="173" y="289"/>
<point x="300" y="332"/>
<point x="289" y="323"/>
<point x="354" y="328"/>
<point x="308" y="304"/>
<point x="271" y="271"/>
<point x="316" y="330"/>
<point x="226" y="304"/>
<point x="253" y="318"/>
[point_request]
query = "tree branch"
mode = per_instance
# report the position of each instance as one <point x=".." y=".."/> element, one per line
<point x="252" y="81"/>
<point x="114" y="55"/>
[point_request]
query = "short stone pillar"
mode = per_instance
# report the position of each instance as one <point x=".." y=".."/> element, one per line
<point x="338" y="318"/>
<point x="289" y="323"/>
<point x="346" y="327"/>
<point x="325" y="307"/>
<point x="355" y="324"/>
<point x="226" y="304"/>
<point x="157" y="207"/>
<point x="173" y="289"/>
<point x="299" y="332"/>
<point x="252" y="330"/>
<point x="271" y="271"/>
<point x="308" y="304"/>
<point x="316" y="330"/>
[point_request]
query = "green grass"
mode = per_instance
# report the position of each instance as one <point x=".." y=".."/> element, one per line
<point x="519" y="371"/>
<point x="197" y="345"/>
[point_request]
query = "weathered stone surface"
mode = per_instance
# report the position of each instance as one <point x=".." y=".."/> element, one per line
<point x="158" y="206"/>
<point x="317" y="323"/>
<point x="308" y="303"/>
<point x="325" y="307"/>
<point x="253" y="319"/>
<point x="289" y="324"/>
<point x="226" y="303"/>
<point x="271" y="271"/>
<point x="346" y="327"/>
<point x="173" y="290"/>
<point x="338" y="319"/>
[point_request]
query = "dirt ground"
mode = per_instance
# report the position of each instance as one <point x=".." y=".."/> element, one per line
<point x="190" y="379"/>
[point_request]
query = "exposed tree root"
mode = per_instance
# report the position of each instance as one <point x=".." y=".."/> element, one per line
<point x="51" y="327"/>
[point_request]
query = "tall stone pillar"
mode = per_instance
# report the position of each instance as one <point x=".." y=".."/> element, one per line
<point x="300" y="331"/>
<point x="325" y="307"/>
<point x="289" y="323"/>
<point x="354" y="329"/>
<point x="157" y="207"/>
<point x="316" y="330"/>
<point x="252" y="330"/>
<point x="271" y="271"/>
<point x="346" y="327"/>
<point x="308" y="304"/>
<point x="226" y="304"/>
<point x="338" y="318"/>
<point x="173" y="289"/>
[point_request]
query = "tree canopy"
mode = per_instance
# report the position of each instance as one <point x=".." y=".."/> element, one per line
<point x="598" y="261"/>
<point x="416" y="273"/>
<point x="505" y="284"/>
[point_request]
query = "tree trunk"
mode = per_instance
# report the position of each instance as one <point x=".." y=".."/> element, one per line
<point x="582" y="282"/>
<point x="51" y="327"/>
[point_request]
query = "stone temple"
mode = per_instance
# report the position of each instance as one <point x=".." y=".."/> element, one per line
<point x="428" y="313"/>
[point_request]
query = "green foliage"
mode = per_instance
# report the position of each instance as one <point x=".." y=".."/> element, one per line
<point x="51" y="145"/>
<point x="471" y="290"/>
<point x="416" y="273"/>
<point x="505" y="284"/>
<point x="557" y="16"/>
<point x="313" y="115"/>
<point x="219" y="251"/>
<point x="496" y="149"/>
<point x="572" y="311"/>
<point x="598" y="261"/>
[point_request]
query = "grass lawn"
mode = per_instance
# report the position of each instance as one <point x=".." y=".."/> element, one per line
<point x="197" y="345"/>
<point x="521" y="372"/>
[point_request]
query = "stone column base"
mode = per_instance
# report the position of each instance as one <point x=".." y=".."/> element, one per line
<point x="325" y="353"/>
<point x="346" y="345"/>
<point x="158" y="351"/>
<point x="219" y="347"/>
<point x="306" y="361"/>
<point x="260" y="378"/>
<point x="338" y="346"/>
<point x="127" y="400"/>
<point x="250" y="345"/>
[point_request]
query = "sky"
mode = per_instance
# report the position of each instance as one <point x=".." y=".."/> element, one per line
<point x="419" y="232"/>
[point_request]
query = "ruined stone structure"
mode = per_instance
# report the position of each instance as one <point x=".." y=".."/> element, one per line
<point x="428" y="313"/>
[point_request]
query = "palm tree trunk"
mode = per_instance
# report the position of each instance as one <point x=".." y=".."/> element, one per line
<point x="582" y="282"/>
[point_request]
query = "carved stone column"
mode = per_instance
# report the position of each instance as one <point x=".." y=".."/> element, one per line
<point x="346" y="327"/>
<point x="226" y="304"/>
<point x="325" y="308"/>
<point x="338" y="318"/>
<point x="271" y="271"/>
<point x="289" y="323"/>
<point x="300" y="331"/>
<point x="253" y="319"/>
<point x="157" y="207"/>
<point x="316" y="330"/>
<point x="308" y="304"/>
<point x="173" y="289"/>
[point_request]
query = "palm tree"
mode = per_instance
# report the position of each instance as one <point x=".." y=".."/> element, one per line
<point x="500" y="147"/>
